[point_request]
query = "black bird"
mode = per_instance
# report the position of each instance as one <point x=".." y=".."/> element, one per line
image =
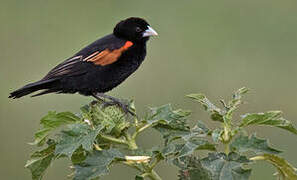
<point x="99" y="67"/>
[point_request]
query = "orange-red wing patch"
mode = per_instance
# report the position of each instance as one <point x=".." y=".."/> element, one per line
<point x="107" y="56"/>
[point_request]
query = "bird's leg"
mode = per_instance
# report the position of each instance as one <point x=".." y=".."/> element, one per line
<point x="113" y="101"/>
<point x="99" y="98"/>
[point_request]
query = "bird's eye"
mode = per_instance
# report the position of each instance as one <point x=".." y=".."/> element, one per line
<point x="138" y="29"/>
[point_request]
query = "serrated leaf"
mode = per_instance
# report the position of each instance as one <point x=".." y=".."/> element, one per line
<point x="187" y="148"/>
<point x="139" y="177"/>
<point x="52" y="121"/>
<point x="285" y="170"/>
<point x="171" y="149"/>
<point x="195" y="144"/>
<point x="244" y="143"/>
<point x="192" y="169"/>
<point x="270" y="118"/>
<point x="199" y="130"/>
<point x="236" y="97"/>
<point x="96" y="164"/>
<point x="170" y="123"/>
<point x="170" y="134"/>
<point x="200" y="127"/>
<point x="194" y="174"/>
<point x="233" y="104"/>
<point x="78" y="156"/>
<point x="226" y="167"/>
<point x="40" y="161"/>
<point x="216" y="135"/>
<point x="216" y="113"/>
<point x="77" y="135"/>
<point x="166" y="115"/>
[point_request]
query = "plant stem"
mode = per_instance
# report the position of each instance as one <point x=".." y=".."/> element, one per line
<point x="226" y="137"/>
<point x="112" y="139"/>
<point x="257" y="158"/>
<point x="131" y="142"/>
<point x="146" y="173"/>
<point x="138" y="130"/>
<point x="97" y="147"/>
<point x="144" y="127"/>
<point x="227" y="148"/>
<point x="154" y="176"/>
<point x="133" y="166"/>
<point x="153" y="165"/>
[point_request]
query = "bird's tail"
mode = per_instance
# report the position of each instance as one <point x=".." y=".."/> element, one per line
<point x="32" y="87"/>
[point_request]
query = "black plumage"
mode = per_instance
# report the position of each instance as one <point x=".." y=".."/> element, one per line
<point x="100" y="66"/>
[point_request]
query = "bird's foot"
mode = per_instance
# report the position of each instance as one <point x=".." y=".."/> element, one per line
<point x="113" y="101"/>
<point x="122" y="105"/>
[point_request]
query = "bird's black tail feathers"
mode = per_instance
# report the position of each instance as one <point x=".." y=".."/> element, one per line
<point x="36" y="86"/>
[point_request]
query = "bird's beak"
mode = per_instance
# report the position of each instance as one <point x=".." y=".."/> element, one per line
<point x="149" y="32"/>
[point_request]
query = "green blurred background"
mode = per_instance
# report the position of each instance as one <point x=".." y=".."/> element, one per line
<point x="212" y="47"/>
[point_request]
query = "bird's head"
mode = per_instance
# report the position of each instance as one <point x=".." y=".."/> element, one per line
<point x="134" y="29"/>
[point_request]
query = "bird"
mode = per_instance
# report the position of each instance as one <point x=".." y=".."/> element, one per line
<point x="99" y="67"/>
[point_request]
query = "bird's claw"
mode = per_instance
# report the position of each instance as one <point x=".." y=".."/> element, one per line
<point x="123" y="106"/>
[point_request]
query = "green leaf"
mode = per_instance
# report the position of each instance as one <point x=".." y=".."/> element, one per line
<point x="233" y="104"/>
<point x="270" y="118"/>
<point x="77" y="135"/>
<point x="187" y="148"/>
<point x="96" y="164"/>
<point x="226" y="167"/>
<point x="216" y="135"/>
<point x="236" y="97"/>
<point x="195" y="144"/>
<point x="40" y="161"/>
<point x="244" y="143"/>
<point x="52" y="121"/>
<point x="193" y="170"/>
<point x="285" y="170"/>
<point x="139" y="177"/>
<point x="78" y="156"/>
<point x="171" y="149"/>
<point x="165" y="115"/>
<point x="198" y="130"/>
<point x="216" y="113"/>
<point x="170" y="123"/>
<point x="170" y="134"/>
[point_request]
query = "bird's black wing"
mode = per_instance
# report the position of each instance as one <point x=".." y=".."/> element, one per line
<point x="102" y="52"/>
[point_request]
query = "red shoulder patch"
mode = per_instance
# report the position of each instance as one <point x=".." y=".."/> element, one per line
<point x="107" y="56"/>
<point x="127" y="45"/>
